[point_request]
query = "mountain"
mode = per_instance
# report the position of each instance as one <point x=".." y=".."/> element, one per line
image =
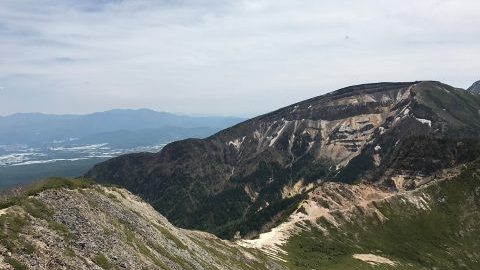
<point x="38" y="129"/>
<point x="475" y="88"/>
<point x="246" y="179"/>
<point x="34" y="146"/>
<point x="75" y="224"/>
<point x="363" y="226"/>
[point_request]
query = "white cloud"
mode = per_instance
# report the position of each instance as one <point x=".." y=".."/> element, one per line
<point x="224" y="57"/>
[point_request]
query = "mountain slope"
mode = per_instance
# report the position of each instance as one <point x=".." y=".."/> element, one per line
<point x="73" y="224"/>
<point x="433" y="227"/>
<point x="76" y="224"/>
<point x="475" y="88"/>
<point x="251" y="176"/>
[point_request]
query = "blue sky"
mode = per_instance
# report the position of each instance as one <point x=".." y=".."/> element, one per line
<point x="223" y="57"/>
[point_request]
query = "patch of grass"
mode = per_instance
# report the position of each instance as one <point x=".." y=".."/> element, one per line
<point x="107" y="231"/>
<point x="15" y="264"/>
<point x="103" y="262"/>
<point x="10" y="227"/>
<point x="8" y="202"/>
<point x="130" y="235"/>
<point x="160" y="250"/>
<point x="50" y="183"/>
<point x="27" y="247"/>
<point x="59" y="182"/>
<point x="134" y="241"/>
<point x="36" y="208"/>
<point x="170" y="236"/>
<point x="69" y="252"/>
<point x="62" y="230"/>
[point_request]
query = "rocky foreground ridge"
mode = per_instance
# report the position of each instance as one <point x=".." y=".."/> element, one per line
<point x="75" y="224"/>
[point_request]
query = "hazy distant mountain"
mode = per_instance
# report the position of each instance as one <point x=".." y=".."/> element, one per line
<point x="114" y="125"/>
<point x="35" y="145"/>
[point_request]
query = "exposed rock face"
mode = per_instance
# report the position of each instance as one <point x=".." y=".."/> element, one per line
<point x="108" y="228"/>
<point x="323" y="202"/>
<point x="475" y="88"/>
<point x="435" y="226"/>
<point x="338" y="204"/>
<point x="242" y="178"/>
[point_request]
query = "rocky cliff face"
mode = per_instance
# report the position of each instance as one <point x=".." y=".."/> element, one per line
<point x="475" y="88"/>
<point x="251" y="176"/>
<point x="77" y="225"/>
<point x="339" y="226"/>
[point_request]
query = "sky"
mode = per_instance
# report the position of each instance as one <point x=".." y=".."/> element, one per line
<point x="219" y="57"/>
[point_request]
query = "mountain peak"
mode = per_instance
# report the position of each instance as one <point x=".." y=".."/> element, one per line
<point x="475" y="88"/>
<point x="346" y="136"/>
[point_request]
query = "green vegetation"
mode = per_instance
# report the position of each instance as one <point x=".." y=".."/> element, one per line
<point x="59" y="182"/>
<point x="170" y="236"/>
<point x="459" y="108"/>
<point x="447" y="236"/>
<point x="15" y="264"/>
<point x="11" y="224"/>
<point x="69" y="252"/>
<point x="49" y="183"/>
<point x="103" y="262"/>
<point x="10" y="227"/>
<point x="233" y="210"/>
<point x="135" y="242"/>
<point x="36" y="208"/>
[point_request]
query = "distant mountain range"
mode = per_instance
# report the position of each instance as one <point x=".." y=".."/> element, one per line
<point x="114" y="126"/>
<point x="35" y="145"/>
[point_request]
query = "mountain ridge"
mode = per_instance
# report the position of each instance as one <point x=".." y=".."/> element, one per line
<point x="475" y="88"/>
<point x="77" y="224"/>
<point x="49" y="127"/>
<point x="249" y="177"/>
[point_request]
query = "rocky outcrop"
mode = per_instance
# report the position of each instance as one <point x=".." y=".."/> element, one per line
<point x="338" y="205"/>
<point x="241" y="179"/>
<point x="475" y="88"/>
<point x="435" y="226"/>
<point x="98" y="227"/>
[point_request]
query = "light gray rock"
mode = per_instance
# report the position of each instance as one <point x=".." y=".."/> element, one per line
<point x="109" y="228"/>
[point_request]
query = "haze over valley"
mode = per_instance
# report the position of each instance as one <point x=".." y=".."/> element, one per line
<point x="34" y="145"/>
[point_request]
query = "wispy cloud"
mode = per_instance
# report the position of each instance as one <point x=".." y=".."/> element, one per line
<point x="226" y="57"/>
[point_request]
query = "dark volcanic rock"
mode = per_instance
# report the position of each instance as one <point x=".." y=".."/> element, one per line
<point x="475" y="88"/>
<point x="247" y="177"/>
